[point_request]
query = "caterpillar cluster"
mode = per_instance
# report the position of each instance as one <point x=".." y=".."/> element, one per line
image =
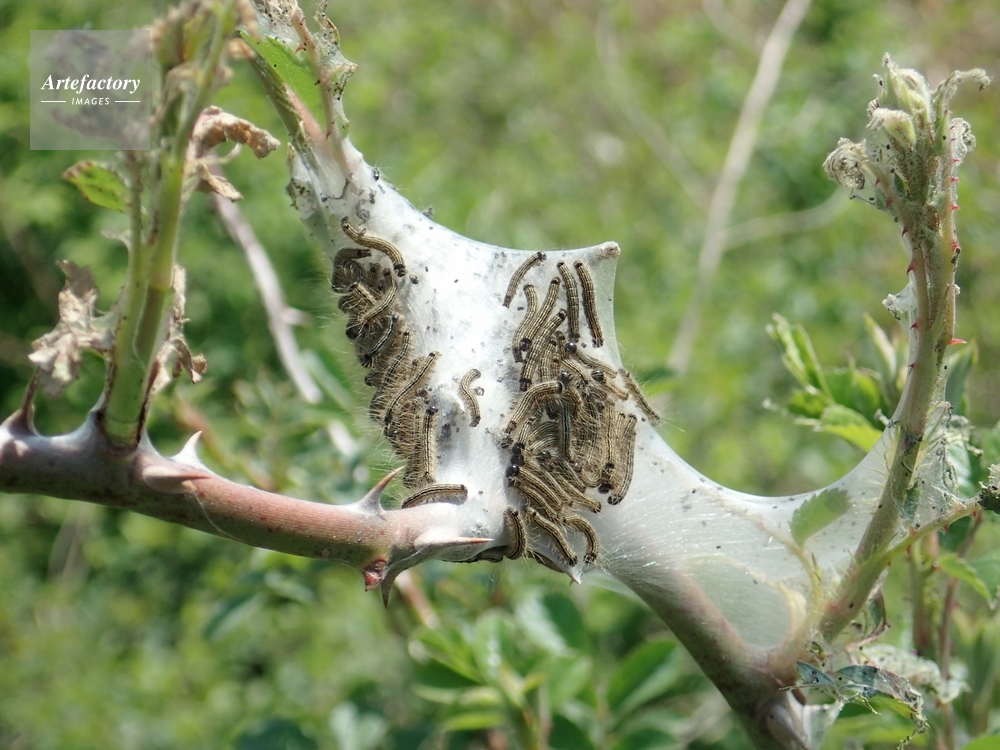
<point x="564" y="432"/>
<point x="401" y="403"/>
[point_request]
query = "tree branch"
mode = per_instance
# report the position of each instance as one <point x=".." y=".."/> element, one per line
<point x="741" y="148"/>
<point x="278" y="311"/>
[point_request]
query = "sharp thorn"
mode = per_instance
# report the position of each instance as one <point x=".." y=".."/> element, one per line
<point x="371" y="503"/>
<point x="189" y="453"/>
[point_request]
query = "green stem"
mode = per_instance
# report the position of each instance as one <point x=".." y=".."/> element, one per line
<point x="148" y="287"/>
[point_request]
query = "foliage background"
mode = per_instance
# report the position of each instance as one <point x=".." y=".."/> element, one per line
<point x="120" y="631"/>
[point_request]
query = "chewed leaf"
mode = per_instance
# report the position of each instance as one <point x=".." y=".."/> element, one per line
<point x="174" y="357"/>
<point x="818" y="512"/>
<point x="920" y="672"/>
<point x="57" y="354"/>
<point x="99" y="184"/>
<point x="862" y="683"/>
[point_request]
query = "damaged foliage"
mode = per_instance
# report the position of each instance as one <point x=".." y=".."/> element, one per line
<point x="58" y="354"/>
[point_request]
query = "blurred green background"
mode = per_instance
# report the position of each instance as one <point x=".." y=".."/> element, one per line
<point x="528" y="124"/>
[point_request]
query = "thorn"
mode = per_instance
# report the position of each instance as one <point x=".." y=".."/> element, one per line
<point x="915" y="326"/>
<point x="905" y="230"/>
<point x="22" y="421"/>
<point x="954" y="179"/>
<point x="955" y="342"/>
<point x="910" y="268"/>
<point x="170" y="477"/>
<point x="434" y="539"/>
<point x="386" y="586"/>
<point x="189" y="453"/>
<point x="371" y="503"/>
<point x="954" y="207"/>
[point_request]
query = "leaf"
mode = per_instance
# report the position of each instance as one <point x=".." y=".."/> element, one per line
<point x="275" y="734"/>
<point x="957" y="567"/>
<point x="99" y="184"/>
<point x="174" y="357"/>
<point x="552" y="623"/>
<point x="58" y="353"/>
<point x="960" y="364"/>
<point x="447" y="646"/>
<point x="858" y="390"/>
<point x="885" y="351"/>
<point x="849" y="425"/>
<point x="987" y="569"/>
<point x="491" y="645"/>
<point x="809" y="404"/>
<point x="649" y="671"/>
<point x="818" y="512"/>
<point x="646" y="738"/>
<point x="294" y="69"/>
<point x="566" y="676"/>
<point x="568" y="735"/>
<point x="354" y="730"/>
<point x="235" y="610"/>
<point x="797" y="354"/>
<point x="473" y="720"/>
<point x="991" y="742"/>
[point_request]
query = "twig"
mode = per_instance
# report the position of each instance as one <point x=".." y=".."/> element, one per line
<point x="649" y="130"/>
<point x="180" y="489"/>
<point x="729" y="26"/>
<point x="806" y="220"/>
<point x="741" y="147"/>
<point x="278" y="311"/>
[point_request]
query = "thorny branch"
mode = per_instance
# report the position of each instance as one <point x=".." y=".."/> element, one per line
<point x="521" y="432"/>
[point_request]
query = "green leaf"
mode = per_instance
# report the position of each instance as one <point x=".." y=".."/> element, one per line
<point x="818" y="512"/>
<point x="798" y="354"/>
<point x="275" y="734"/>
<point x="99" y="184"/>
<point x="958" y="568"/>
<point x="885" y="351"/>
<point x="552" y="623"/>
<point x="646" y="738"/>
<point x="992" y="742"/>
<point x="492" y="646"/>
<point x="809" y="404"/>
<point x="566" y="677"/>
<point x="857" y="390"/>
<point x="568" y="735"/>
<point x="354" y="730"/>
<point x="649" y="671"/>
<point x="987" y="569"/>
<point x="959" y="366"/>
<point x="847" y="424"/>
<point x="293" y="68"/>
<point x="450" y="648"/>
<point x="473" y="720"/>
<point x="235" y="610"/>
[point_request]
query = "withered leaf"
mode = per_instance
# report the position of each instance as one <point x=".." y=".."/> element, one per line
<point x="57" y="354"/>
